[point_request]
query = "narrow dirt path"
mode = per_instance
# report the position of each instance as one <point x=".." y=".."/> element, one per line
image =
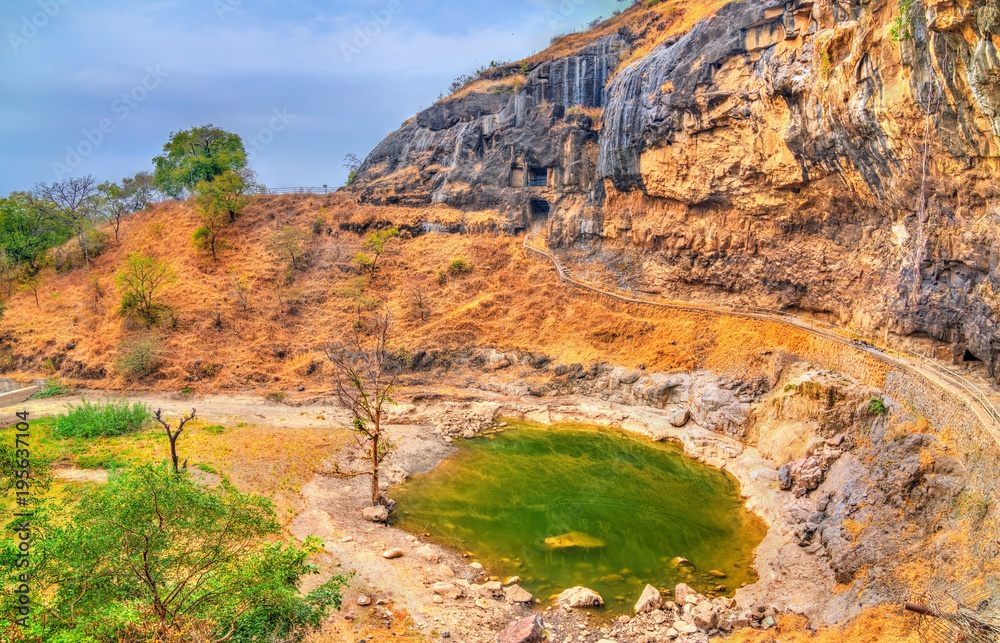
<point x="948" y="380"/>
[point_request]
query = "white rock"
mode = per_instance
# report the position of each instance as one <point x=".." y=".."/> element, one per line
<point x="476" y="566"/>
<point x="513" y="580"/>
<point x="347" y="539"/>
<point x="378" y="513"/>
<point x="649" y="600"/>
<point x="445" y="571"/>
<point x="449" y="590"/>
<point x="364" y="599"/>
<point x="580" y="597"/>
<point x="427" y="553"/>
<point x="392" y="553"/>
<point x="517" y="594"/>
<point x="685" y="628"/>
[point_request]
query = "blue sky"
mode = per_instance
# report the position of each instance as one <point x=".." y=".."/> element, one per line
<point x="97" y="87"/>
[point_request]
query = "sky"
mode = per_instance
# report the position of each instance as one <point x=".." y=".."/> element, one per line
<point x="98" y="86"/>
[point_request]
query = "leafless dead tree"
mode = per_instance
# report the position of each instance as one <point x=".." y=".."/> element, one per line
<point x="173" y="435"/>
<point x="365" y="375"/>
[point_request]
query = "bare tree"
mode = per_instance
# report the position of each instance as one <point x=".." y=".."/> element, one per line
<point x="365" y="376"/>
<point x="416" y="287"/>
<point x="73" y="201"/>
<point x="173" y="435"/>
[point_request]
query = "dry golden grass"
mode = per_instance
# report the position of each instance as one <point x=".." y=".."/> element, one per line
<point x="508" y="301"/>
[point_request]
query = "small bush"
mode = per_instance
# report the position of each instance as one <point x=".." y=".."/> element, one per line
<point x="276" y="396"/>
<point x="206" y="468"/>
<point x="137" y="359"/>
<point x="215" y="429"/>
<point x="442" y="277"/>
<point x="876" y="406"/>
<point x="459" y="266"/>
<point x="53" y="388"/>
<point x="115" y="417"/>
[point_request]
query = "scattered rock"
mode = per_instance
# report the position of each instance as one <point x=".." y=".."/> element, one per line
<point x="392" y="553"/>
<point x="580" y="597"/>
<point x="526" y="630"/>
<point x="437" y="599"/>
<point x="446" y="571"/>
<point x="681" y="593"/>
<point x="427" y="553"/>
<point x="513" y="580"/>
<point x="449" y="590"/>
<point x="347" y="539"/>
<point x="685" y="628"/>
<point x="680" y="561"/>
<point x="680" y="418"/>
<point x="476" y="566"/>
<point x="482" y="603"/>
<point x="490" y="589"/>
<point x="364" y="599"/>
<point x="649" y="600"/>
<point x="517" y="594"/>
<point x="377" y="513"/>
<point x="705" y="616"/>
<point x="717" y="573"/>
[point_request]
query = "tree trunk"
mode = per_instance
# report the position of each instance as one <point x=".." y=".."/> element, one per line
<point x="376" y="494"/>
<point x="173" y="448"/>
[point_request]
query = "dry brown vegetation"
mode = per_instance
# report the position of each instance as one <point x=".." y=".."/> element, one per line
<point x="209" y="342"/>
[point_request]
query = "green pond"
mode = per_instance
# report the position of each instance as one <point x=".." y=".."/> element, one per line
<point x="577" y="505"/>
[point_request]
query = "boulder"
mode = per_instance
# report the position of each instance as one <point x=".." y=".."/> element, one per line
<point x="684" y="628"/>
<point x="378" y="513"/>
<point x="364" y="599"/>
<point x="526" y="630"/>
<point x="392" y="553"/>
<point x="444" y="570"/>
<point x="428" y="554"/>
<point x="705" y="616"/>
<point x="490" y="589"/>
<point x="517" y="594"/>
<point x="649" y="600"/>
<point x="681" y="593"/>
<point x="580" y="597"/>
<point x="680" y="418"/>
<point x="449" y="590"/>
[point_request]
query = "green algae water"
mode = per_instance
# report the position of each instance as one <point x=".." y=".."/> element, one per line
<point x="574" y="505"/>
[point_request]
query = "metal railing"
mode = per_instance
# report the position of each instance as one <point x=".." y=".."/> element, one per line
<point x="325" y="189"/>
<point x="971" y="394"/>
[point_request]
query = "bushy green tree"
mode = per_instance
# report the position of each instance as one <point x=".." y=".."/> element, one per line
<point x="375" y="244"/>
<point x="152" y="554"/>
<point x="139" y="280"/>
<point x="194" y="155"/>
<point x="27" y="232"/>
<point x="228" y="192"/>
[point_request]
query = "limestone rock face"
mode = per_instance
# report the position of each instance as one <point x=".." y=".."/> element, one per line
<point x="773" y="154"/>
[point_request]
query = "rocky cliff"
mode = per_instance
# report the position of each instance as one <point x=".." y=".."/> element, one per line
<point x="834" y="157"/>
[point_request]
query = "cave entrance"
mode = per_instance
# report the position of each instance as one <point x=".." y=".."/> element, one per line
<point x="969" y="357"/>
<point x="538" y="177"/>
<point x="540" y="209"/>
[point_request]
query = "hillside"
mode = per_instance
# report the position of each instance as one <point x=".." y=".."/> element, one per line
<point x="833" y="158"/>
<point x="209" y="342"/>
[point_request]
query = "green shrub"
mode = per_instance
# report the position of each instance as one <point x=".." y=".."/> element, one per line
<point x="115" y="417"/>
<point x="442" y="277"/>
<point x="53" y="388"/>
<point x="276" y="396"/>
<point x="215" y="429"/>
<point x="206" y="468"/>
<point x="876" y="406"/>
<point x="459" y="266"/>
<point x="137" y="359"/>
